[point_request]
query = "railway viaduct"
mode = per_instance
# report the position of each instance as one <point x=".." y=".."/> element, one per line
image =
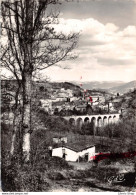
<point x="97" y="120"/>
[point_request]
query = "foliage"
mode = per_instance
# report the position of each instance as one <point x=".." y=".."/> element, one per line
<point x="34" y="175"/>
<point x="15" y="178"/>
<point x="87" y="129"/>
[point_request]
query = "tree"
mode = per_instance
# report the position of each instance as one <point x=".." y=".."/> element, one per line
<point x="32" y="45"/>
<point x="89" y="109"/>
<point x="12" y="91"/>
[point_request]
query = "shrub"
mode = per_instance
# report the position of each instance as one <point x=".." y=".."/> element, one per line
<point x="23" y="179"/>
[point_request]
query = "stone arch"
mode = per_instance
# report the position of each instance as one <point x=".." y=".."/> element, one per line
<point x="99" y="121"/>
<point x="110" y="119"/>
<point x="93" y="120"/>
<point x="114" y="119"/>
<point x="105" y="120"/>
<point x="72" y="121"/>
<point x="86" y="120"/>
<point x="79" y="122"/>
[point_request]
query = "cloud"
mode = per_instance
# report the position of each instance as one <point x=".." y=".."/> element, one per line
<point x="114" y="62"/>
<point x="119" y="12"/>
<point x="104" y="51"/>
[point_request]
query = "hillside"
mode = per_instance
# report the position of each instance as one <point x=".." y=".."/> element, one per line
<point x="109" y="86"/>
<point x="124" y="88"/>
<point x="100" y="85"/>
<point x="127" y="103"/>
<point x="44" y="88"/>
<point x="65" y="85"/>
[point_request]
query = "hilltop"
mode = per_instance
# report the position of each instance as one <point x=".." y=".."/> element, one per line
<point x="104" y="85"/>
<point x="110" y="86"/>
<point x="124" y="88"/>
<point x="45" y="88"/>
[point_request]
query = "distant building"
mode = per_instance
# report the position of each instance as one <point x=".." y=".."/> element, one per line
<point x="46" y="104"/>
<point x="74" y="99"/>
<point x="95" y="103"/>
<point x="60" y="139"/>
<point x="128" y="98"/>
<point x="81" y="108"/>
<point x="117" y="100"/>
<point x="95" y="99"/>
<point x="61" y="99"/>
<point x="70" y="92"/>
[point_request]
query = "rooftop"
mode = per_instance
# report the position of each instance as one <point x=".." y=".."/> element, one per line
<point x="79" y="149"/>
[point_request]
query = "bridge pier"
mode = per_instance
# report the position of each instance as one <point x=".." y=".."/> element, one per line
<point x="105" y="121"/>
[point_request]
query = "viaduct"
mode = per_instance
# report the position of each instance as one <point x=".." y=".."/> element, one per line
<point x="96" y="120"/>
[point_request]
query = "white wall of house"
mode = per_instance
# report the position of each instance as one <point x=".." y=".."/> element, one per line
<point x="73" y="99"/>
<point x="71" y="155"/>
<point x="89" y="151"/>
<point x="95" y="103"/>
<point x="61" y="99"/>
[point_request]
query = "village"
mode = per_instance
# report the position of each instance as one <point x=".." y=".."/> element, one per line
<point x="77" y="101"/>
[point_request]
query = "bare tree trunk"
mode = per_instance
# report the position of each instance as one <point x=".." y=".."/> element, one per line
<point x="26" y="125"/>
<point x="15" y="122"/>
<point x="27" y="81"/>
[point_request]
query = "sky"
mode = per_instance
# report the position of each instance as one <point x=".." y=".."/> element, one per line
<point x="107" y="44"/>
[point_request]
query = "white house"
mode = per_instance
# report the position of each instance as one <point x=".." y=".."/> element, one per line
<point x="70" y="154"/>
<point x="60" y="139"/>
<point x="95" y="103"/>
<point x="46" y="104"/>
<point x="74" y="99"/>
<point x="70" y="92"/>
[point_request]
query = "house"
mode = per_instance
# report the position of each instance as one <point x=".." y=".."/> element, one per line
<point x="59" y="99"/>
<point x="117" y="100"/>
<point x="46" y="104"/>
<point x="81" y="108"/>
<point x="128" y="98"/>
<point x="71" y="154"/>
<point x="95" y="103"/>
<point x="60" y="139"/>
<point x="70" y="92"/>
<point x="74" y="99"/>
<point x="62" y="94"/>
